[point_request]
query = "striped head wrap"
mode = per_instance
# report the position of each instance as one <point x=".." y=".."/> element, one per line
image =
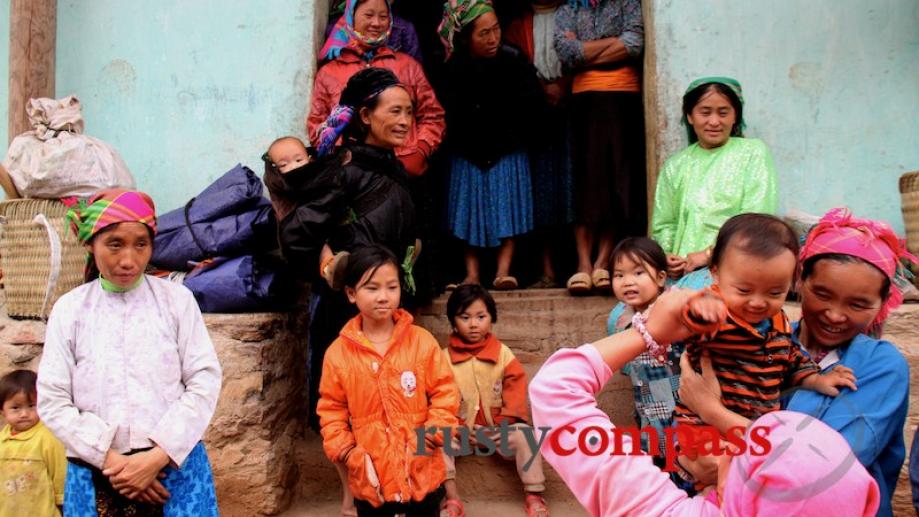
<point x="108" y="207"/>
<point x="458" y="14"/>
<point x="730" y="82"/>
<point x="361" y="88"/>
<point x="872" y="241"/>
<point x="345" y="36"/>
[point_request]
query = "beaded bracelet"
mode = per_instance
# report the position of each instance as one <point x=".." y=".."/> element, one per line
<point x="657" y="350"/>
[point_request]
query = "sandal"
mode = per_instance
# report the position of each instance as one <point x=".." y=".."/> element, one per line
<point x="600" y="278"/>
<point x="535" y="506"/>
<point x="505" y="283"/>
<point x="579" y="283"/>
<point x="452" y="508"/>
<point x="544" y="282"/>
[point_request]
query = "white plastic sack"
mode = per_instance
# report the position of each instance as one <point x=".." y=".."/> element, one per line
<point x="55" y="159"/>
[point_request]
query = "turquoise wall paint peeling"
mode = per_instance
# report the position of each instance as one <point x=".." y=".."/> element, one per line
<point x="831" y="85"/>
<point x="4" y="73"/>
<point x="185" y="90"/>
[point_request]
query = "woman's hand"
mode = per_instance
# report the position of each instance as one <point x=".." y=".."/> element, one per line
<point x="697" y="260"/>
<point x="699" y="392"/>
<point x="664" y="319"/>
<point x="138" y="472"/>
<point x="676" y="266"/>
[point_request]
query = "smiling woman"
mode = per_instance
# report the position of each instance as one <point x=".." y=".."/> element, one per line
<point x="720" y="174"/>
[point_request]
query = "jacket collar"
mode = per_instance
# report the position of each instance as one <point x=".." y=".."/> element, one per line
<point x="353" y="334"/>
<point x="488" y="349"/>
<point x="350" y="56"/>
<point x="7" y="433"/>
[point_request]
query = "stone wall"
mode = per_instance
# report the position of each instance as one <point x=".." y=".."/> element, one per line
<point x="260" y="414"/>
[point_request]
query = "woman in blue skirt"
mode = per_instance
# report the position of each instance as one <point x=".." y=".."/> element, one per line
<point x="493" y="101"/>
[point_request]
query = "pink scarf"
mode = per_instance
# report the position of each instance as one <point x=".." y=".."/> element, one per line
<point x="872" y="241"/>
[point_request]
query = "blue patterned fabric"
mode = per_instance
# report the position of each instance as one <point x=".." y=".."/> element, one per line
<point x="654" y="386"/>
<point x="698" y="279"/>
<point x="191" y="488"/>
<point x="487" y="206"/>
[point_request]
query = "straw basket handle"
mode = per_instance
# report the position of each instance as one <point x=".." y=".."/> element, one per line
<point x="54" y="240"/>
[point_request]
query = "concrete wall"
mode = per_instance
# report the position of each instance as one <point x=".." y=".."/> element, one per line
<point x="831" y="85"/>
<point x="185" y="90"/>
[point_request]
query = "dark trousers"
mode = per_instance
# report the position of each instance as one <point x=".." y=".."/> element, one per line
<point x="427" y="507"/>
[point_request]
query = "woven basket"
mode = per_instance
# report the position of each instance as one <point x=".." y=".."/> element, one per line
<point x="26" y="256"/>
<point x="909" y="198"/>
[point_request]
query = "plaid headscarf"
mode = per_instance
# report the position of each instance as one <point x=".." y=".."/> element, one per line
<point x="730" y="82"/>
<point x="108" y="207"/>
<point x="458" y="14"/>
<point x="344" y="36"/>
<point x="872" y="241"/>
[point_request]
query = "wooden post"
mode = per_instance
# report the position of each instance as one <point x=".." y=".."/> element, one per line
<point x="33" y="27"/>
<point x="652" y="101"/>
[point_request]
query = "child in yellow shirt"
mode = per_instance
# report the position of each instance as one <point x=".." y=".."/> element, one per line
<point x="32" y="460"/>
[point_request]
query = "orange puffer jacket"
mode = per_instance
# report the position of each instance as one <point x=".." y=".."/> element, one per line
<point x="428" y="131"/>
<point x="370" y="407"/>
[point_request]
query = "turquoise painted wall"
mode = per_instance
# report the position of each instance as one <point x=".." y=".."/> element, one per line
<point x="831" y="85"/>
<point x="185" y="90"/>
<point x="4" y="73"/>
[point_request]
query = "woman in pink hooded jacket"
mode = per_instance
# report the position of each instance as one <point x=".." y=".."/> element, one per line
<point x="809" y="469"/>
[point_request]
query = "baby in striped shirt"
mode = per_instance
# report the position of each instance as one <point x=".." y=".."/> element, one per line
<point x="751" y="350"/>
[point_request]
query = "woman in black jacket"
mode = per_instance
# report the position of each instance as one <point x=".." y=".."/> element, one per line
<point x="345" y="198"/>
<point x="494" y="102"/>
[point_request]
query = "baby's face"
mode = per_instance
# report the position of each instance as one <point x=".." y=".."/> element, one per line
<point x="288" y="154"/>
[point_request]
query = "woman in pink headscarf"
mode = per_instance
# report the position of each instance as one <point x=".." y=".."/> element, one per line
<point x="846" y="286"/>
<point x="808" y="470"/>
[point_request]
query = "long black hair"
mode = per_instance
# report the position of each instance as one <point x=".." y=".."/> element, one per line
<point x="693" y="96"/>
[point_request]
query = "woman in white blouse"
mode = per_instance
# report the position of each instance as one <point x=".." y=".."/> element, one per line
<point x="129" y="380"/>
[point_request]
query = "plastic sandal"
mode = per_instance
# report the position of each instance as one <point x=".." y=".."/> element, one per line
<point x="505" y="283"/>
<point x="600" y="279"/>
<point x="535" y="506"/>
<point x="453" y="508"/>
<point x="579" y="283"/>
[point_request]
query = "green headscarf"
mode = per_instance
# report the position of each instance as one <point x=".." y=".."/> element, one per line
<point x="730" y="82"/>
<point x="458" y="14"/>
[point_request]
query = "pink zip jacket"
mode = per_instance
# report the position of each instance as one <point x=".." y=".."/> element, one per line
<point x="810" y="471"/>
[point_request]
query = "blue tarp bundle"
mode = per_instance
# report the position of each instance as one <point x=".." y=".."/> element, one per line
<point x="232" y="223"/>
<point x="230" y="217"/>
<point x="241" y="284"/>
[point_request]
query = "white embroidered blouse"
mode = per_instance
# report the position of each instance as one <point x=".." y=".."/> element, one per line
<point x="128" y="370"/>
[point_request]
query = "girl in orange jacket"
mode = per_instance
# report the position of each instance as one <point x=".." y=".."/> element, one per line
<point x="383" y="379"/>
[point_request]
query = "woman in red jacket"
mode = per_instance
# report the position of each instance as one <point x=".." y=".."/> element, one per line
<point x="362" y="42"/>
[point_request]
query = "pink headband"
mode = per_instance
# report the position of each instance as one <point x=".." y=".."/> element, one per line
<point x="872" y="241"/>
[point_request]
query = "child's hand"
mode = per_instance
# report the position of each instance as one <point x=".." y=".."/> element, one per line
<point x="707" y="310"/>
<point x="138" y="473"/>
<point x="830" y="382"/>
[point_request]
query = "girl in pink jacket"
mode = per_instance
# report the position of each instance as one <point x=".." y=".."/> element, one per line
<point x="808" y="468"/>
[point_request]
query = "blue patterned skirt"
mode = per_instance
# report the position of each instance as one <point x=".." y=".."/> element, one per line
<point x="487" y="206"/>
<point x="191" y="488"/>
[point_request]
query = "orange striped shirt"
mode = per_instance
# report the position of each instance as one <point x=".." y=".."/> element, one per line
<point x="752" y="368"/>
